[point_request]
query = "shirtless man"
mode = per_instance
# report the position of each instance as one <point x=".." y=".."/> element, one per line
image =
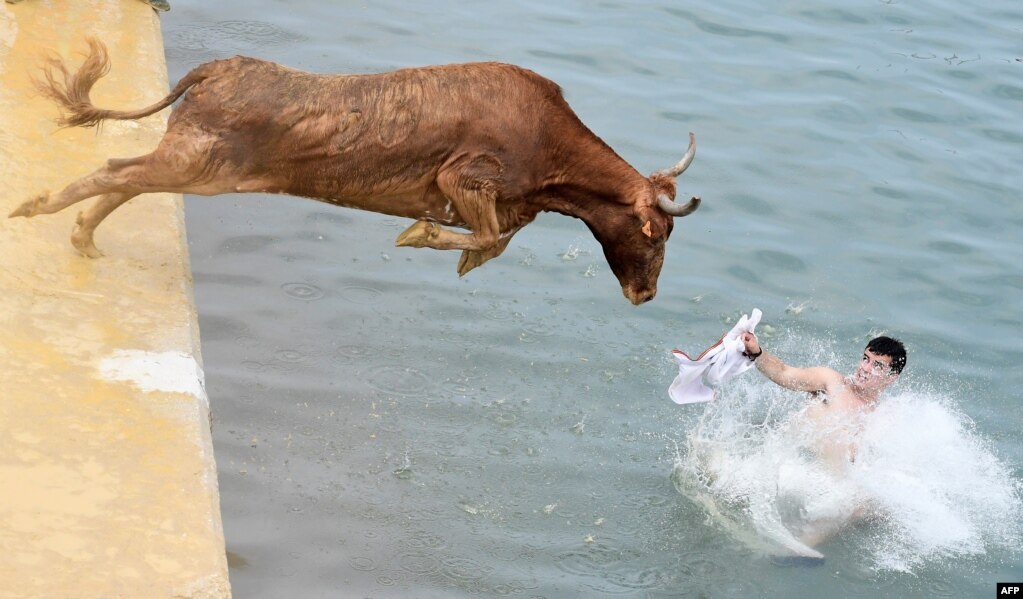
<point x="882" y="362"/>
<point x="831" y="422"/>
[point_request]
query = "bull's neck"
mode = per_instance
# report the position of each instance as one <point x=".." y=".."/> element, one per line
<point x="592" y="181"/>
<point x="585" y="196"/>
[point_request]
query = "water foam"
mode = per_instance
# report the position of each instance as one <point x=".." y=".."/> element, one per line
<point x="938" y="486"/>
<point x="925" y="485"/>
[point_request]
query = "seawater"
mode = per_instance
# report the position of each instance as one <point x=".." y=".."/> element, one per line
<point x="384" y="428"/>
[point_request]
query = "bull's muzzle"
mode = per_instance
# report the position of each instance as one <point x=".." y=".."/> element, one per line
<point x="638" y="297"/>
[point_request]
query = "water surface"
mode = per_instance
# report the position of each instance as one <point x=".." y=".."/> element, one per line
<point x="386" y="429"/>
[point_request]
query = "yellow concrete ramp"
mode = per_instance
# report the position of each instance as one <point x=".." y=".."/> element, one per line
<point x="108" y="486"/>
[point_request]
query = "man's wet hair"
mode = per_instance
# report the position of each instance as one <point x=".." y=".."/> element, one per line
<point x="893" y="348"/>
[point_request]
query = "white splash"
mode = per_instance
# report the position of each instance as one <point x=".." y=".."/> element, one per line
<point x="170" y="372"/>
<point x="925" y="485"/>
<point x="940" y="490"/>
<point x="571" y="253"/>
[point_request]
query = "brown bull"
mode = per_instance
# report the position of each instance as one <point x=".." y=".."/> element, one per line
<point x="483" y="146"/>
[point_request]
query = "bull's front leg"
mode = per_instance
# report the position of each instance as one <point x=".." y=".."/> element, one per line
<point x="420" y="235"/>
<point x="472" y="258"/>
<point x="516" y="219"/>
<point x="423" y="232"/>
<point x="473" y="193"/>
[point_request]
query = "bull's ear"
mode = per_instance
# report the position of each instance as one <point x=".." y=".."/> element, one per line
<point x="653" y="227"/>
<point x="651" y="221"/>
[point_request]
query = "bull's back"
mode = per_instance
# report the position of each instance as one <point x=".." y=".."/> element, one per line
<point x="376" y="141"/>
<point x="422" y="112"/>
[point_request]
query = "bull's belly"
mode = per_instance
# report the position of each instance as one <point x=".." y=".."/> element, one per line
<point x="415" y="204"/>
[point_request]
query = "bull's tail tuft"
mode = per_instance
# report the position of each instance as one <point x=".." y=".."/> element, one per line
<point x="71" y="90"/>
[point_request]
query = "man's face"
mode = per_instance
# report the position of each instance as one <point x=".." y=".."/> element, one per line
<point x="874" y="372"/>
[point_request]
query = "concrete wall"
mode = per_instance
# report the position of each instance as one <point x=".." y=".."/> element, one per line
<point x="108" y="486"/>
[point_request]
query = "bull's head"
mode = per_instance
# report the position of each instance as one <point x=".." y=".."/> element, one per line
<point x="634" y="239"/>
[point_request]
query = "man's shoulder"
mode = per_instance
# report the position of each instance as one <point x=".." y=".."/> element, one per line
<point x="825" y="372"/>
<point x="820" y="378"/>
<point x="830" y="376"/>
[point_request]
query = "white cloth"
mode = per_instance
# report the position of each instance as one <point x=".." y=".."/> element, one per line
<point x="718" y="363"/>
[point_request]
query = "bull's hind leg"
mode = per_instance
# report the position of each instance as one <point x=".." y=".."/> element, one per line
<point x="117" y="182"/>
<point x="105" y="180"/>
<point x="89" y="219"/>
<point x="473" y="188"/>
<point x="180" y="164"/>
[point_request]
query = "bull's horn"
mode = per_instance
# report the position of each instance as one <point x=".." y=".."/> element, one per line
<point x="684" y="163"/>
<point x="669" y="207"/>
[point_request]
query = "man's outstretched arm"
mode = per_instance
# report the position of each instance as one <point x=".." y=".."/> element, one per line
<point x="796" y="379"/>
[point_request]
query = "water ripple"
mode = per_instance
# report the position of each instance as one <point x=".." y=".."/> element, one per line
<point x="942" y="588"/>
<point x="616" y="569"/>
<point x="365" y="564"/>
<point x="725" y="30"/>
<point x="360" y="295"/>
<point x="538" y="329"/>
<point x="246" y="244"/>
<point x="224" y="36"/>
<point x="418" y="563"/>
<point x="292" y="356"/>
<point x="950" y="247"/>
<point x="399" y="380"/>
<point x="915" y="116"/>
<point x="464" y="569"/>
<point x="390" y="578"/>
<point x="303" y="291"/>
<point x="425" y="541"/>
<point x="862" y="583"/>
<point x="782" y="260"/>
<point x="705" y="566"/>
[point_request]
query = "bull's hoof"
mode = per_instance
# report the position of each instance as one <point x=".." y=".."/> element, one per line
<point x="470" y="259"/>
<point x="86" y="246"/>
<point x="418" y="235"/>
<point x="82" y="240"/>
<point x="31" y="207"/>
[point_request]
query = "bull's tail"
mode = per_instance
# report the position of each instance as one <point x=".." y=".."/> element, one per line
<point x="71" y="90"/>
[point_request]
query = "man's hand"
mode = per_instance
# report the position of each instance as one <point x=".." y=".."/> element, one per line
<point x="752" y="343"/>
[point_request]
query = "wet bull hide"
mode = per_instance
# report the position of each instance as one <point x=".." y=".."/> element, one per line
<point x="483" y="147"/>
